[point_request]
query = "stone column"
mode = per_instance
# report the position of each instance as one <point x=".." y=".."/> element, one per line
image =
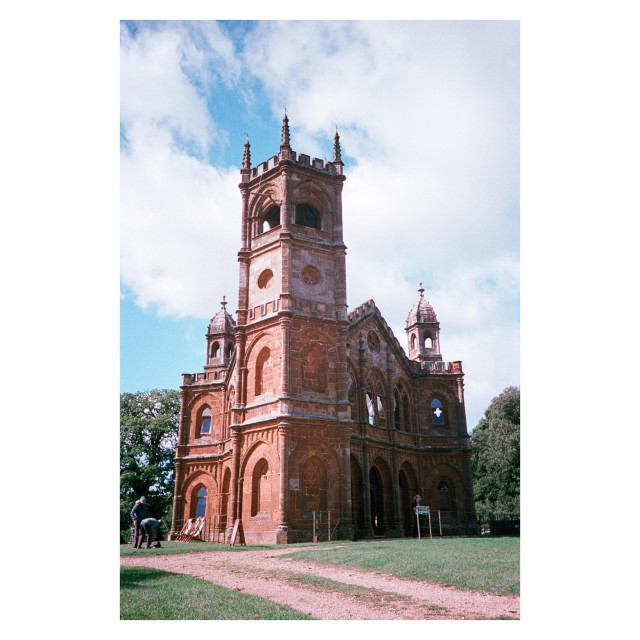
<point x="285" y="204"/>
<point x="236" y="441"/>
<point x="398" y="527"/>
<point x="285" y="327"/>
<point x="346" y="512"/>
<point x="282" y="533"/>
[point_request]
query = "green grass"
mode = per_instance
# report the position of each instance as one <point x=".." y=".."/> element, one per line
<point x="487" y="563"/>
<point x="150" y="594"/>
<point x="490" y="563"/>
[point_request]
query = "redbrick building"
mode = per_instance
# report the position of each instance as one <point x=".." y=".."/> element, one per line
<point x="304" y="408"/>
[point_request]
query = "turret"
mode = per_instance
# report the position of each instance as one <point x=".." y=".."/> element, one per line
<point x="220" y="338"/>
<point x="423" y="331"/>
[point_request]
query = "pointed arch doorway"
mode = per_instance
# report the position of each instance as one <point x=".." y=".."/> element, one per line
<point x="377" y="503"/>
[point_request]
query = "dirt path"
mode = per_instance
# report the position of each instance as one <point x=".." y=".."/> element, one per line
<point x="328" y="592"/>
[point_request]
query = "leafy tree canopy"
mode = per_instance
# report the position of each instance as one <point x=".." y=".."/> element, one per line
<point x="148" y="438"/>
<point x="495" y="458"/>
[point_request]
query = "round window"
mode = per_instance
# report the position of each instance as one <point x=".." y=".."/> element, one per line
<point x="311" y="275"/>
<point x="373" y="341"/>
<point x="265" y="278"/>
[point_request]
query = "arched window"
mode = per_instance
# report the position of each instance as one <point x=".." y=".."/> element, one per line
<point x="437" y="413"/>
<point x="371" y="407"/>
<point x="231" y="402"/>
<point x="215" y="350"/>
<point x="260" y="497"/>
<point x="405" y="412"/>
<point x="351" y="394"/>
<point x="229" y="351"/>
<point x="262" y="371"/>
<point x="205" y="422"/>
<point x="314" y="370"/>
<point x="401" y="411"/>
<point x="413" y="342"/>
<point x="444" y="496"/>
<point x="375" y="403"/>
<point x="307" y="216"/>
<point x="269" y="220"/>
<point x="201" y="503"/>
<point x="428" y="342"/>
<point x="314" y="485"/>
<point x="396" y="409"/>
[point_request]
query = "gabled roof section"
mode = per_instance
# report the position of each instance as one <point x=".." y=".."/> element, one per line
<point x="367" y="310"/>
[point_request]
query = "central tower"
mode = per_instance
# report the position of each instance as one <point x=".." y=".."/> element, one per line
<point x="290" y="377"/>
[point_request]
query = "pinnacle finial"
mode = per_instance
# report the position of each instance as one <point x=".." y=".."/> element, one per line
<point x="285" y="132"/>
<point x="421" y="290"/>
<point x="337" y="156"/>
<point x="246" y="159"/>
<point x="224" y="303"/>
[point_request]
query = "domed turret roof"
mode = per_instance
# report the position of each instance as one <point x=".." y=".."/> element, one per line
<point x="222" y="322"/>
<point x="421" y="311"/>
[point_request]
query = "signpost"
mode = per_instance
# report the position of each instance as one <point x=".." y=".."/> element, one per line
<point x="421" y="511"/>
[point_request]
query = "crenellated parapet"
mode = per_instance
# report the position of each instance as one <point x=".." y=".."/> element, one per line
<point x="206" y="377"/>
<point x="299" y="159"/>
<point x="437" y="367"/>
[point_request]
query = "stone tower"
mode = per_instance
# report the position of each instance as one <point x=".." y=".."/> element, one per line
<point x="291" y="335"/>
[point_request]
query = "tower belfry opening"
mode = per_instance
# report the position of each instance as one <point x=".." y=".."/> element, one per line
<point x="305" y="412"/>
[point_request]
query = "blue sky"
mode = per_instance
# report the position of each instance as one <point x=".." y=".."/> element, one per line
<point x="428" y="114"/>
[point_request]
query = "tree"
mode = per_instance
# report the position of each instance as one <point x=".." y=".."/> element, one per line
<point x="495" y="458"/>
<point x="148" y="437"/>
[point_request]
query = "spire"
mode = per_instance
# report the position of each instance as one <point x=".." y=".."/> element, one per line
<point x="246" y="159"/>
<point x="285" y="132"/>
<point x="337" y="157"/>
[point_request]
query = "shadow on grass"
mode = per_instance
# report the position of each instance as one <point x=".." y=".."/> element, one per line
<point x="136" y="577"/>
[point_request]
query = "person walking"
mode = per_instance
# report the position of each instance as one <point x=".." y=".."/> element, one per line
<point x="138" y="514"/>
<point x="149" y="527"/>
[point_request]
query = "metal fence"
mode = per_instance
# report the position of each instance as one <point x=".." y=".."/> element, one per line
<point x="323" y="526"/>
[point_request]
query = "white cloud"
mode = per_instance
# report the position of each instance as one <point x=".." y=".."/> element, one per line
<point x="175" y="207"/>
<point x="428" y="117"/>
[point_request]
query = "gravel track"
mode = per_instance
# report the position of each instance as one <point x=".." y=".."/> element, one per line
<point x="328" y="592"/>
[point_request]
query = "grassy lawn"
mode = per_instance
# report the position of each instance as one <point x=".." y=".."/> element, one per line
<point x="150" y="594"/>
<point x="488" y="563"/>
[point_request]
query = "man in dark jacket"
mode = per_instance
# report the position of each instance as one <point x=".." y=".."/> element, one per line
<point x="138" y="514"/>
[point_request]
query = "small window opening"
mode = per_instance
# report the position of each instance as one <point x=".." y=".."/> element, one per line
<point x="205" y="426"/>
<point x="307" y="216"/>
<point x="437" y="414"/>
<point x="201" y="503"/>
<point x="270" y="220"/>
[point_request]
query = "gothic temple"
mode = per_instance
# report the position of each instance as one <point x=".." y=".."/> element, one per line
<point x="310" y="419"/>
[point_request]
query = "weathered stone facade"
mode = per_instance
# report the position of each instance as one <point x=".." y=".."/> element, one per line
<point x="303" y="407"/>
